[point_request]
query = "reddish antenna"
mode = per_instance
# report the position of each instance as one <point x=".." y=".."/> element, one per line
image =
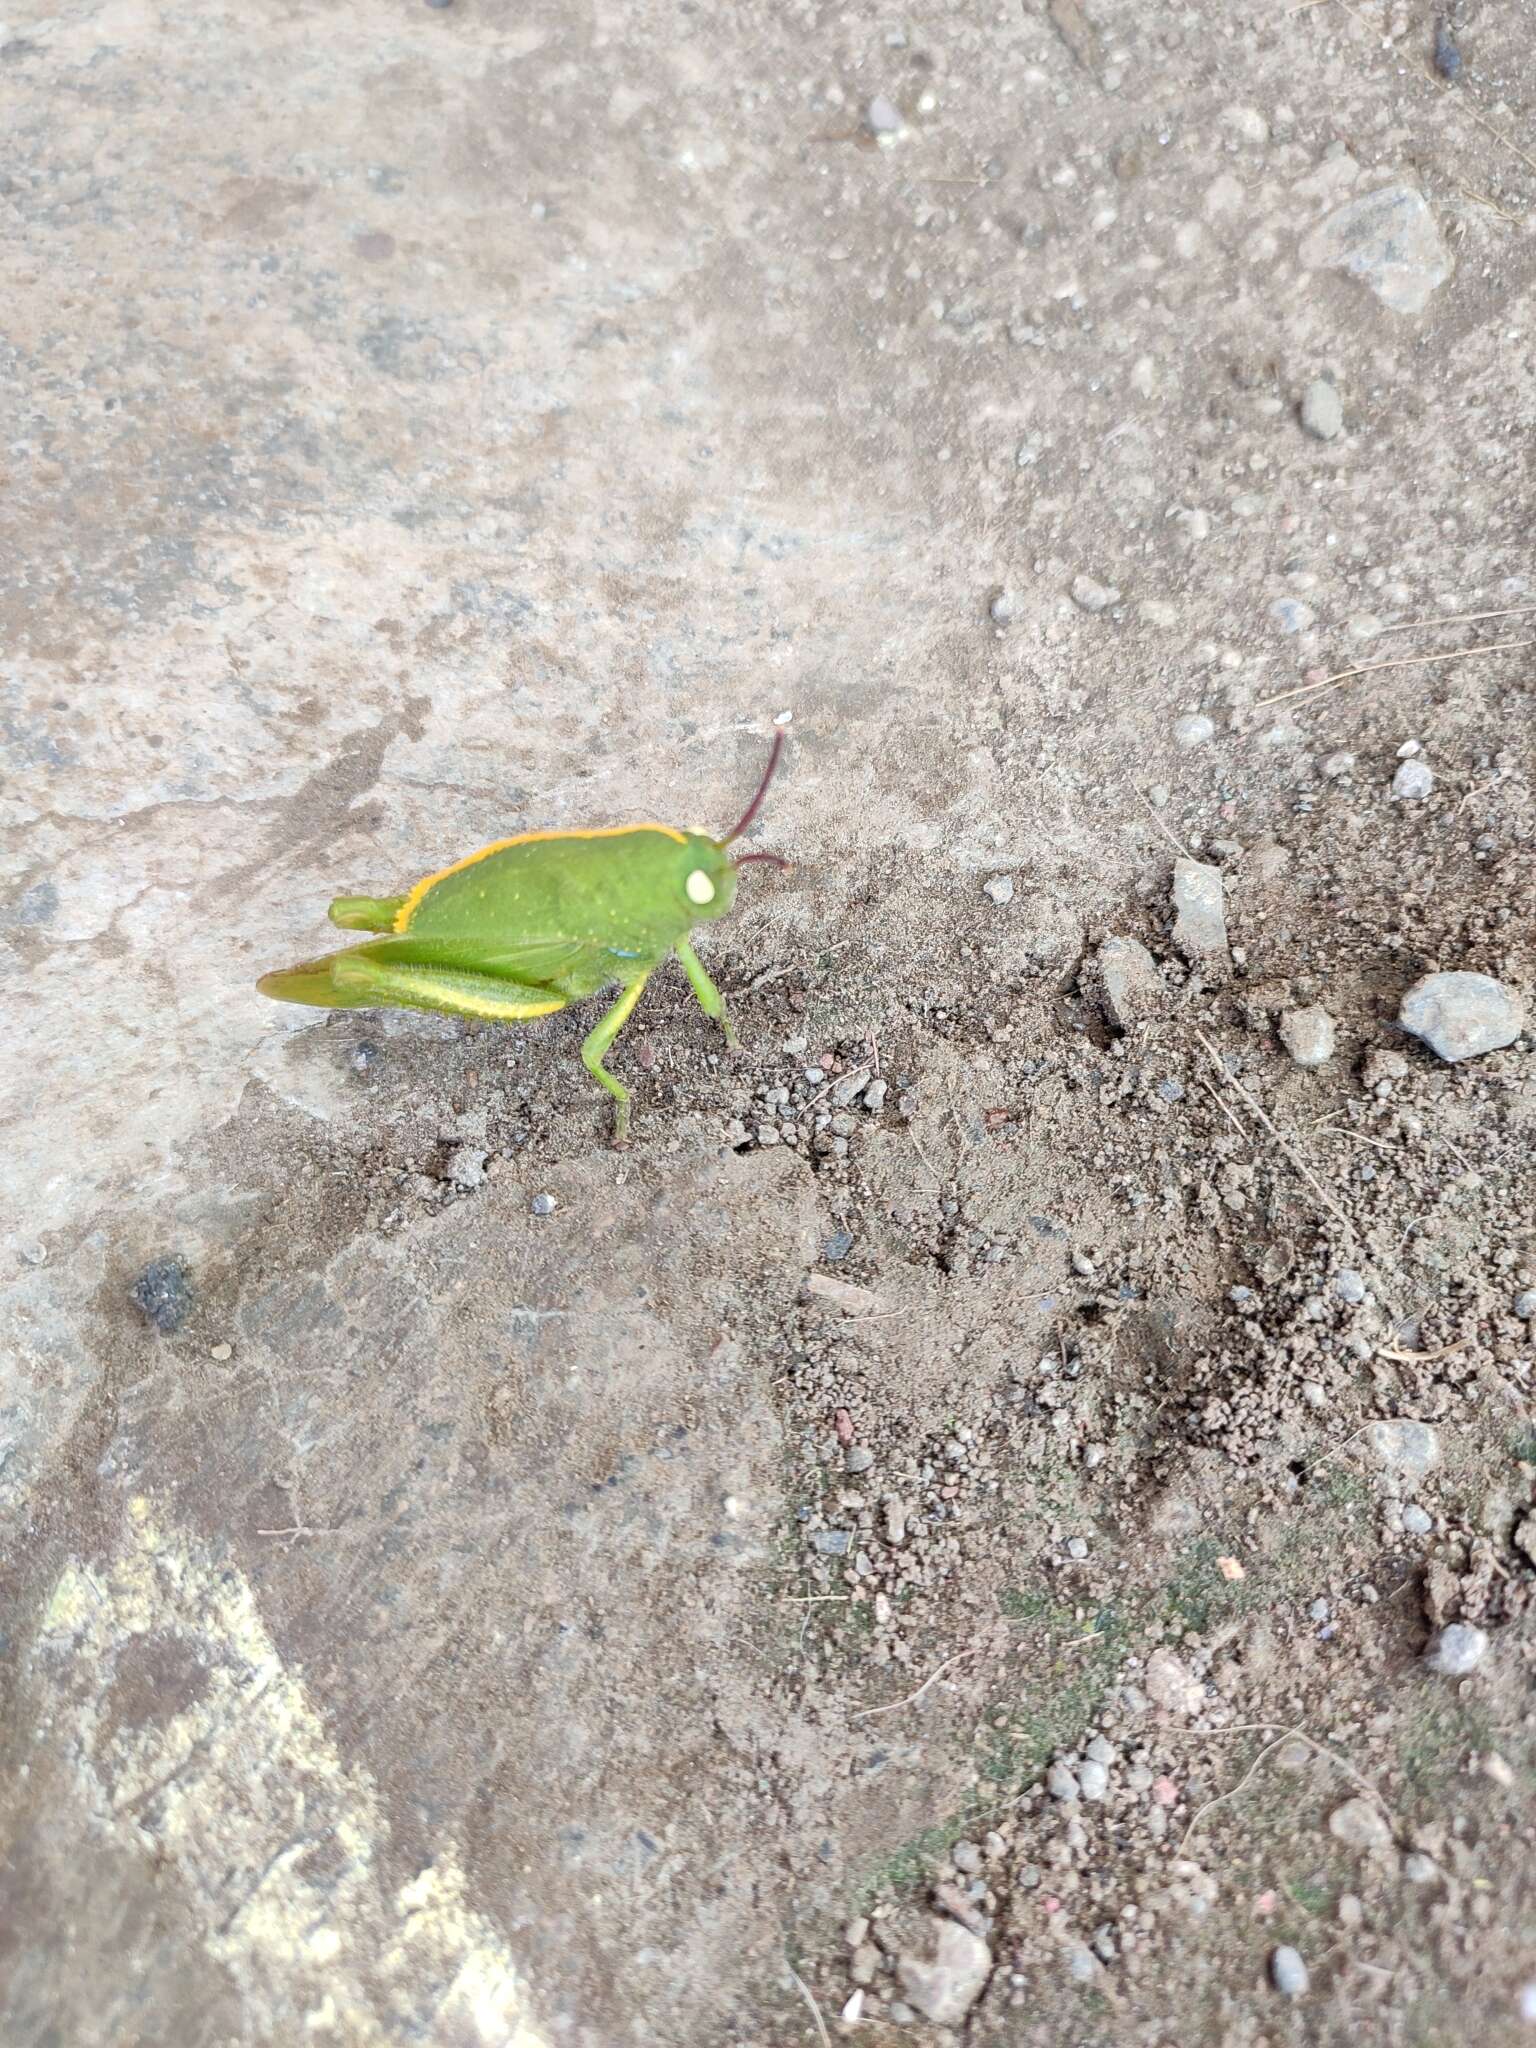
<point x="747" y="816"/>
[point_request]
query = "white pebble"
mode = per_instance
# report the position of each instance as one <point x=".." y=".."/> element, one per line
<point x="1193" y="730"/>
<point x="999" y="888"/>
<point x="1092" y="596"/>
<point x="1457" y="1650"/>
<point x="1288" y="1972"/>
<point x="1413" y="781"/>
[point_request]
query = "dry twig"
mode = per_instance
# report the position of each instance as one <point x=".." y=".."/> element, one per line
<point x="1346" y="675"/>
<point x="806" y="1993"/>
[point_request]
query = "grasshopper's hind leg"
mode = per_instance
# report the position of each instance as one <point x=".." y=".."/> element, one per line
<point x="597" y="1042"/>
<point x="711" y="1002"/>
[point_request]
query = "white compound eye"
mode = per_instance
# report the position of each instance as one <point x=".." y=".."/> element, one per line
<point x="699" y="888"/>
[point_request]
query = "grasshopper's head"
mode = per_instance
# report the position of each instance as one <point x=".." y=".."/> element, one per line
<point x="709" y="880"/>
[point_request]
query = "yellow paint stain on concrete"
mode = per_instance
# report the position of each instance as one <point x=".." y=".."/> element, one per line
<point x="275" y="1838"/>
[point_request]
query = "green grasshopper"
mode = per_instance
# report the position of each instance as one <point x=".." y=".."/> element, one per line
<point x="527" y="925"/>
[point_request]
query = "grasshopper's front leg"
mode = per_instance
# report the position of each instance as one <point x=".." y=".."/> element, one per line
<point x="597" y="1042"/>
<point x="711" y="1002"/>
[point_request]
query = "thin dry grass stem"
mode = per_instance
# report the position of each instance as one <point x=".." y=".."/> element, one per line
<point x="868" y="1713"/>
<point x="1282" y="1736"/>
<point x="1507" y="611"/>
<point x="1421" y="1357"/>
<point x="1241" y="1130"/>
<point x="810" y="1998"/>
<point x="1284" y="1143"/>
<point x="1172" y="838"/>
<point x="1333" y="1207"/>
<point x="1489" y="129"/>
<point x="1481" y="199"/>
<point x="1366" y="668"/>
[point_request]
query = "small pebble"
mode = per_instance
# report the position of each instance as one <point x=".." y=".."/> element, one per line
<point x="1193" y="730"/>
<point x="1322" y="409"/>
<point x="1077" y="1547"/>
<point x="883" y="117"/>
<point x="163" y="1292"/>
<point x="1004" y="608"/>
<point x="858" y="1458"/>
<point x="966" y="1857"/>
<point x="1404" y="1446"/>
<point x="832" y="1542"/>
<point x="1291" y="615"/>
<point x="874" y="1095"/>
<point x="1525" y="1304"/>
<point x="1308" y="1035"/>
<point x="1349" y="1285"/>
<point x="1448" y="64"/>
<point x="1288" y="1972"/>
<point x="466" y="1166"/>
<point x="1200" y="925"/>
<point x="1337" y="766"/>
<point x="543" y="1205"/>
<point x="1420" y="1869"/>
<point x="999" y="888"/>
<point x="1413" y="781"/>
<point x="222" y="1352"/>
<point x="1416" y="1520"/>
<point x="1061" y="1783"/>
<point x="1460" y="1015"/>
<point x="1093" y="1779"/>
<point x="1358" y="1824"/>
<point x="1089" y="595"/>
<point x="1456" y="1650"/>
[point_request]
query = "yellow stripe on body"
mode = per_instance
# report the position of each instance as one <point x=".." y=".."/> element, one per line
<point x="408" y="908"/>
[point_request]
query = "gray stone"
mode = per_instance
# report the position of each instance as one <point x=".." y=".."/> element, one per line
<point x="1419" y="1868"/>
<point x="1200" y="923"/>
<point x="1061" y="1782"/>
<point x="1390" y="241"/>
<point x="1291" y="615"/>
<point x="1307" y="1035"/>
<point x="1416" y="1520"/>
<point x="163" y="1295"/>
<point x="1093" y="1779"/>
<point x="1413" y="782"/>
<point x="999" y="888"/>
<point x="1130" y="988"/>
<point x="858" y="1458"/>
<point x="1525" y="1304"/>
<point x="466" y="1166"/>
<point x="1170" y="1684"/>
<point x="1322" y="409"/>
<point x="1460" y="1015"/>
<point x="1359" y="1824"/>
<point x="1193" y="729"/>
<point x="1337" y="765"/>
<point x="1004" y="608"/>
<point x="832" y="1542"/>
<point x="1456" y="1650"/>
<point x="945" y="1989"/>
<point x="1408" y="1448"/>
<point x="1089" y="595"/>
<point x="1349" y="1285"/>
<point x="874" y="1095"/>
<point x="1287" y="1972"/>
<point x="966" y="1857"/>
<point x="543" y="1205"/>
<point x="883" y="117"/>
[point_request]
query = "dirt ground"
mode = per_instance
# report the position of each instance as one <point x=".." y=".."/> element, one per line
<point x="1007" y="1514"/>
